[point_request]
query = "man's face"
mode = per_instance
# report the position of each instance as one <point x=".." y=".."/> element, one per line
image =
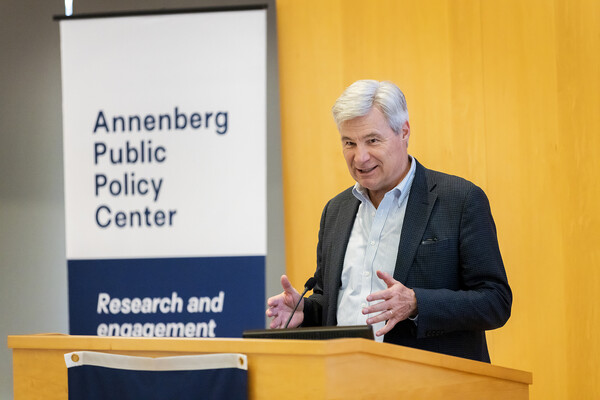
<point x="376" y="156"/>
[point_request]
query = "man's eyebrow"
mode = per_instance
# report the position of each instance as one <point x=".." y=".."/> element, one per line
<point x="366" y="137"/>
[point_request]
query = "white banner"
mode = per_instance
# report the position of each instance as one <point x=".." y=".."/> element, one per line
<point x="164" y="120"/>
<point x="164" y="135"/>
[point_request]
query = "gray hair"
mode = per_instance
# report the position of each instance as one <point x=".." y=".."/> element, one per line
<point x="358" y="99"/>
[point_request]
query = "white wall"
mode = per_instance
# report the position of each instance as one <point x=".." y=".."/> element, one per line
<point x="33" y="271"/>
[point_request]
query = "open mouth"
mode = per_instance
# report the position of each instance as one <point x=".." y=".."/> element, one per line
<point x="366" y="171"/>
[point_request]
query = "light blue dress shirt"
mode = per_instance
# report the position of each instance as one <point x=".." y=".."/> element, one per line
<point x="373" y="246"/>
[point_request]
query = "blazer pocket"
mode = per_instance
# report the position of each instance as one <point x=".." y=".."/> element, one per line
<point x="436" y="264"/>
<point x="433" y="245"/>
<point x="431" y="253"/>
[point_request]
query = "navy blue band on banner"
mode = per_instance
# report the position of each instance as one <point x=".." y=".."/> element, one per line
<point x="167" y="297"/>
<point x="98" y="383"/>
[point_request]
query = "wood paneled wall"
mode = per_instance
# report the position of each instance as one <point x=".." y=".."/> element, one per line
<point x="503" y="93"/>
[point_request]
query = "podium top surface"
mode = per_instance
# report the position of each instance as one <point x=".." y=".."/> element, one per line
<point x="263" y="346"/>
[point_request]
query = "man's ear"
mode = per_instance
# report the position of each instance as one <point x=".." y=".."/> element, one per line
<point x="405" y="131"/>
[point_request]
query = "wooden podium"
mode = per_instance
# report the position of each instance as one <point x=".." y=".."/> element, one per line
<point x="284" y="369"/>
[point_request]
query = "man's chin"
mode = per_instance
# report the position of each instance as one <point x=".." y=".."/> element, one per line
<point x="367" y="184"/>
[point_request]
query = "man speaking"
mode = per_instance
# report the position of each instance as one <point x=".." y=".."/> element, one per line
<point x="411" y="251"/>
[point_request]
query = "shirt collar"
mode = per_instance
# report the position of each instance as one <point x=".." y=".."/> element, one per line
<point x="400" y="191"/>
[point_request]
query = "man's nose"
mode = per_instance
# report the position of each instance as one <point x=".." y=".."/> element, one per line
<point x="361" y="154"/>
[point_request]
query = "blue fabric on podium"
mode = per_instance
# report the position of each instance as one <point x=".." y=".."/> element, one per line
<point x="93" y="382"/>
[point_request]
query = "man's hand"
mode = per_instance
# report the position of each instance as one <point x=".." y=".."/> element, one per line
<point x="399" y="303"/>
<point x="281" y="306"/>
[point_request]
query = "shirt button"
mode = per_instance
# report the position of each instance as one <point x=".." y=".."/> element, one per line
<point x="363" y="305"/>
<point x="366" y="273"/>
<point x="372" y="243"/>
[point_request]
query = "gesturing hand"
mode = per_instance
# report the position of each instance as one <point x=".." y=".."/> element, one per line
<point x="399" y="303"/>
<point x="281" y="306"/>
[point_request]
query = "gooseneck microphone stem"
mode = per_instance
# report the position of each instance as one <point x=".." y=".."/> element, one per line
<point x="310" y="283"/>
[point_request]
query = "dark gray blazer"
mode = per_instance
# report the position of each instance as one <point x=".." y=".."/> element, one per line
<point x="448" y="254"/>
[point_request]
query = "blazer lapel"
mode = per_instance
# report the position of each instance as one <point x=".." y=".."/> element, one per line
<point x="344" y="221"/>
<point x="418" y="209"/>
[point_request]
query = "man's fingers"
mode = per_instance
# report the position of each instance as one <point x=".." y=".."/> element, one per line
<point x="287" y="285"/>
<point x="281" y="305"/>
<point x="272" y="301"/>
<point x="385" y="294"/>
<point x="278" y="321"/>
<point x="380" y="295"/>
<point x="381" y="306"/>
<point x="387" y="278"/>
<point x="384" y="315"/>
<point x="275" y="323"/>
<point x="386" y="328"/>
<point x="271" y="312"/>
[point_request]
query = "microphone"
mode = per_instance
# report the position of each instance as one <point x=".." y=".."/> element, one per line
<point x="310" y="283"/>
